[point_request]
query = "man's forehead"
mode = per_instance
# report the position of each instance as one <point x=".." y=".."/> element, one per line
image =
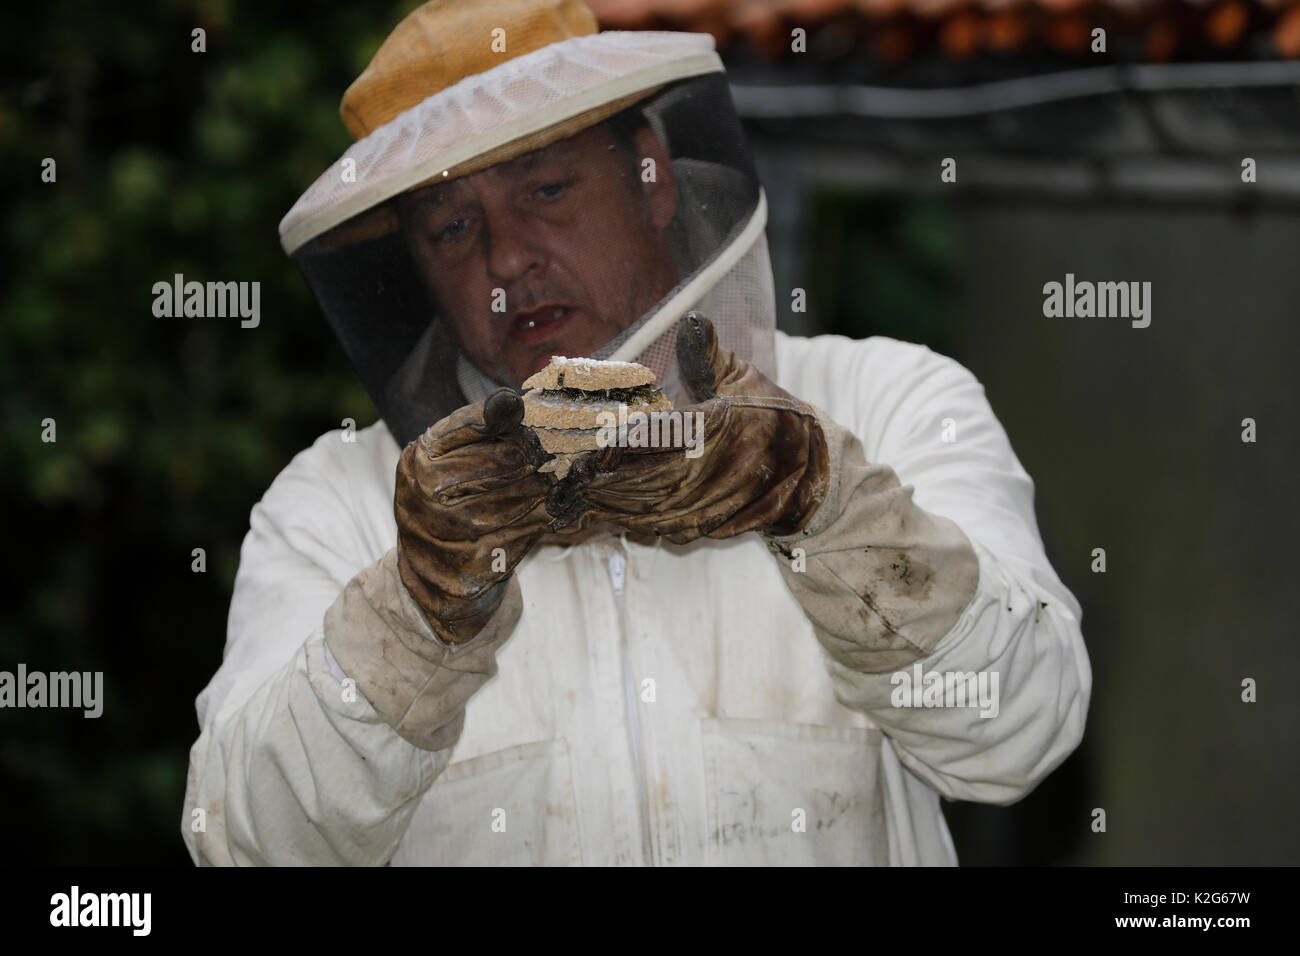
<point x="559" y="151"/>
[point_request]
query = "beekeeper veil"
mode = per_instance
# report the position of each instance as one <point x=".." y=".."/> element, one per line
<point x="521" y="187"/>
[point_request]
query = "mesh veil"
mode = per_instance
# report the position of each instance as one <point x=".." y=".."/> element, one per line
<point x="443" y="287"/>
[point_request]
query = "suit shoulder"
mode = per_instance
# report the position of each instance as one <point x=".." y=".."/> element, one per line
<point x="337" y="464"/>
<point x="832" y="365"/>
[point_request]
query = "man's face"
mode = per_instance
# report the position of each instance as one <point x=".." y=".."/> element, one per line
<point x="569" y="234"/>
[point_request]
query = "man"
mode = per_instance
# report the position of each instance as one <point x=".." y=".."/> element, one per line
<point x="775" y="652"/>
<point x="577" y="243"/>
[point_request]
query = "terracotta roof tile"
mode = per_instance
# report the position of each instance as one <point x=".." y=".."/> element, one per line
<point x="892" y="30"/>
<point x="1226" y="23"/>
<point x="1005" y="30"/>
<point x="1287" y="35"/>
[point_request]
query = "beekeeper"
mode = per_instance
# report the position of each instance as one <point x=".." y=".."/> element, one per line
<point x="782" y="651"/>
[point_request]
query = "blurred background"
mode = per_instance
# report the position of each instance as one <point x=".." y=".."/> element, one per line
<point x="1121" y="165"/>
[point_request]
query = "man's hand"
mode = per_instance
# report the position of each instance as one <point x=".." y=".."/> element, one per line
<point x="765" y="464"/>
<point x="468" y="486"/>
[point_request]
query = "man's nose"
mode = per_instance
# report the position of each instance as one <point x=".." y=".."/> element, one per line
<point x="512" y="249"/>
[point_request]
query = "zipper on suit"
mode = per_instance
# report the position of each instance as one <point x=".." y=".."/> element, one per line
<point x="617" y="576"/>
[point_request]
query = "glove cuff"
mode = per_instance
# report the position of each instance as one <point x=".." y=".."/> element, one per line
<point x="455" y="620"/>
<point x="812" y="507"/>
<point x="417" y="684"/>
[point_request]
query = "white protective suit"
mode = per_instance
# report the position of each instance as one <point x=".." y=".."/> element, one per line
<point x="662" y="705"/>
<point x="726" y="701"/>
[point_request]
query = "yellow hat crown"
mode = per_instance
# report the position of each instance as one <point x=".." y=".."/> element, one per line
<point x="443" y="41"/>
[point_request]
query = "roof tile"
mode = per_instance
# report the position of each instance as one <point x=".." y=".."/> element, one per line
<point x="895" y="29"/>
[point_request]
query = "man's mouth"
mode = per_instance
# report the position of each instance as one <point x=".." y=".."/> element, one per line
<point x="539" y="324"/>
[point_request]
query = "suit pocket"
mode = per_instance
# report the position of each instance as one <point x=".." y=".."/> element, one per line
<point x="511" y="807"/>
<point x="793" y="794"/>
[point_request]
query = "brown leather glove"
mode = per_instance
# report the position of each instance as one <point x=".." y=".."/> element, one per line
<point x="467" y="486"/>
<point x="765" y="464"/>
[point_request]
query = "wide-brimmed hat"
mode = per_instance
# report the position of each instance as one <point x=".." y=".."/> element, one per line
<point x="443" y="41"/>
<point x="454" y="51"/>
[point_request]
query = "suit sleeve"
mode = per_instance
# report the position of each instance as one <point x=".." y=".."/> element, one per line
<point x="960" y="588"/>
<point x="294" y="765"/>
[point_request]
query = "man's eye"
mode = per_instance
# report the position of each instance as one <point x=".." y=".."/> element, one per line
<point x="551" y="190"/>
<point x="453" y="229"/>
